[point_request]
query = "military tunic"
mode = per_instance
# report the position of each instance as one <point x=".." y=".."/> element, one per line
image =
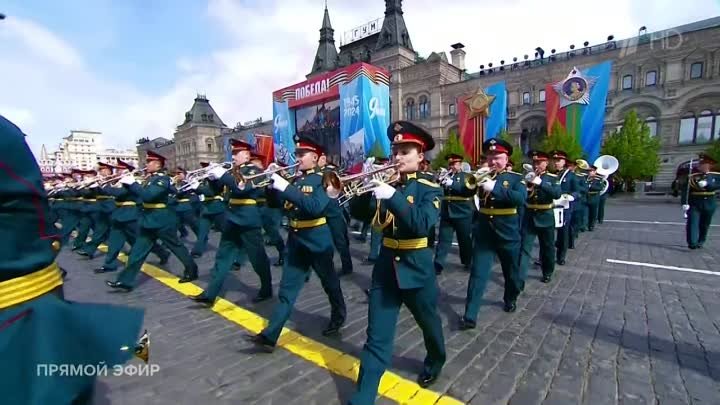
<point x="185" y="210"/>
<point x="403" y="275"/>
<point x="101" y="219"/>
<point x="580" y="213"/>
<point x="456" y="215"/>
<point x="539" y="221"/>
<point x="702" y="202"/>
<point x="88" y="215"/>
<point x="38" y="328"/>
<point x="309" y="244"/>
<point x="496" y="232"/>
<point x="241" y="232"/>
<point x="271" y="212"/>
<point x="158" y="221"/>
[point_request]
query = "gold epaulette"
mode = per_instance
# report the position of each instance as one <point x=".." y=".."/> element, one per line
<point x="550" y="174"/>
<point x="581" y="174"/>
<point x="319" y="174"/>
<point x="428" y="183"/>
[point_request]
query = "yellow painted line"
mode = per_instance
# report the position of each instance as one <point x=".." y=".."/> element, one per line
<point x="392" y="386"/>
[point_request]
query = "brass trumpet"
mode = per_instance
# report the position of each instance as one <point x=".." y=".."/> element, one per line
<point x="354" y="185"/>
<point x="271" y="169"/>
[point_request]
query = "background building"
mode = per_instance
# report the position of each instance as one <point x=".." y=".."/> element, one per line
<point x="670" y="77"/>
<point x="111" y="156"/>
<point x="196" y="139"/>
<point x="163" y="146"/>
<point x="79" y="150"/>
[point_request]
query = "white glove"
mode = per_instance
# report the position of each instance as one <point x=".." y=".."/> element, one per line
<point x="383" y="191"/>
<point x="537" y="180"/>
<point x="127" y="180"/>
<point x="686" y="207"/>
<point x="194" y="185"/>
<point x="278" y="183"/>
<point x="570" y="198"/>
<point x="216" y="172"/>
<point x="489" y="185"/>
<point x="477" y="201"/>
<point x="447" y="182"/>
<point x="702" y="183"/>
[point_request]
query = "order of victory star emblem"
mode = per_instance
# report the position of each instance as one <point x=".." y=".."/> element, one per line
<point x="574" y="89"/>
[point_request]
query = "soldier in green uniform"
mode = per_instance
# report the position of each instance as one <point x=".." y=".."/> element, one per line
<point x="403" y="273"/>
<point x="603" y="200"/>
<point x="271" y="213"/>
<point x="456" y="214"/>
<point x="243" y="224"/>
<point x="158" y="221"/>
<point x="569" y="193"/>
<point x="427" y="174"/>
<point x="124" y="222"/>
<point x="213" y="212"/>
<point x="70" y="197"/>
<point x="595" y="186"/>
<point x="699" y="201"/>
<point x="309" y="244"/>
<point x="39" y="330"/>
<point x="581" y="209"/>
<point x="86" y="209"/>
<point x="539" y="220"/>
<point x="337" y="223"/>
<point x="185" y="201"/>
<point x="497" y="231"/>
<point x="101" y="216"/>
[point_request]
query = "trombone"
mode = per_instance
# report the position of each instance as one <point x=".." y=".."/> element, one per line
<point x="354" y="185"/>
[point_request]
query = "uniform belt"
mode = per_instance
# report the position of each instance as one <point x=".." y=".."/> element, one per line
<point x="105" y="197"/>
<point x="33" y="285"/>
<point x="455" y="198"/>
<point x="540" y="206"/>
<point x="89" y="200"/>
<point x="498" y="211"/>
<point x="154" y="206"/>
<point x="405" y="244"/>
<point x="242" y="201"/>
<point x="183" y="200"/>
<point x="217" y="197"/>
<point x="703" y="193"/>
<point x="593" y="192"/>
<point x="307" y="223"/>
<point x="57" y="199"/>
<point x="125" y="203"/>
<point x="74" y="198"/>
<point x="261" y="200"/>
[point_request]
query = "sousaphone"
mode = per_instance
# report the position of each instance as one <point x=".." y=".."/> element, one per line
<point x="606" y="166"/>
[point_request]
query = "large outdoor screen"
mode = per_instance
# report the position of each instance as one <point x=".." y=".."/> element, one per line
<point x="321" y="123"/>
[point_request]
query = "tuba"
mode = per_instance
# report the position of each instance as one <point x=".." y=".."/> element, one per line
<point x="606" y="166"/>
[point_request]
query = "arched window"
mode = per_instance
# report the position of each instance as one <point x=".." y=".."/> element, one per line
<point x="541" y="96"/>
<point x="424" y="107"/>
<point x="652" y="124"/>
<point x="704" y="127"/>
<point x="410" y="109"/>
<point x="209" y="145"/>
<point x="699" y="129"/>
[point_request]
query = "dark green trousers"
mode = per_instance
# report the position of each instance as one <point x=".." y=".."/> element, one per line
<point x="187" y="218"/>
<point x="338" y="229"/>
<point x="83" y="227"/>
<point x="564" y="235"/>
<point x="271" y="218"/>
<point x="697" y="225"/>
<point x="384" y="306"/>
<point x="593" y="207"/>
<point x="295" y="272"/>
<point x="601" y="209"/>
<point x="144" y="244"/>
<point x="101" y="230"/>
<point x="233" y="240"/>
<point x="121" y="232"/>
<point x="70" y="219"/>
<point x="546" y="237"/>
<point x="205" y="222"/>
<point x="462" y="228"/>
<point x="486" y="245"/>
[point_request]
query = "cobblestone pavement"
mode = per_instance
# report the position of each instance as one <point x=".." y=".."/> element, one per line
<point x="600" y="333"/>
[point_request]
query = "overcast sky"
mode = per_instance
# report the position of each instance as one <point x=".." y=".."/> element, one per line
<point x="132" y="68"/>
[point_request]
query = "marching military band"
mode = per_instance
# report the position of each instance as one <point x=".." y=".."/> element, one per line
<point x="492" y="211"/>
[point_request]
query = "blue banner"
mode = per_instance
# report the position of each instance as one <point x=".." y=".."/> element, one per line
<point x="364" y="118"/>
<point x="497" y="118"/>
<point x="283" y="132"/>
<point x="593" y="116"/>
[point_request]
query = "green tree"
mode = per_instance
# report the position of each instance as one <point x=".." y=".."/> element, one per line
<point x="559" y="139"/>
<point x="377" y="150"/>
<point x="634" y="148"/>
<point x="452" y="146"/>
<point x="517" y="155"/>
<point x="714" y="150"/>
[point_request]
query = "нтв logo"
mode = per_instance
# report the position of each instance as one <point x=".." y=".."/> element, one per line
<point x="375" y="108"/>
